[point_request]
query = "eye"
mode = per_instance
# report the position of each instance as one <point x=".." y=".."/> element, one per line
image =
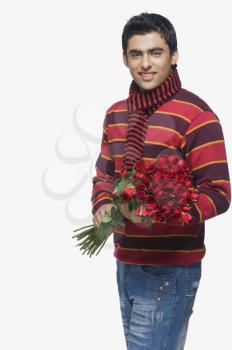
<point x="156" y="53"/>
<point x="134" y="54"/>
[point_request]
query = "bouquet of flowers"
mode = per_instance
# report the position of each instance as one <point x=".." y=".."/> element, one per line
<point x="157" y="191"/>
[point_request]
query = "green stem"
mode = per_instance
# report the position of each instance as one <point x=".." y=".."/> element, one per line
<point x="79" y="229"/>
<point x="85" y="233"/>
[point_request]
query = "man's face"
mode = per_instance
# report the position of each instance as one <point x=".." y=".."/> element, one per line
<point x="149" y="60"/>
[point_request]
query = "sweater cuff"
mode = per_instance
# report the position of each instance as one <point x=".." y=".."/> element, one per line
<point x="105" y="200"/>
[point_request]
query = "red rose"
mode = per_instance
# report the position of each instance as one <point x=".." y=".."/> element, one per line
<point x="150" y="187"/>
<point x="181" y="177"/>
<point x="181" y="201"/>
<point x="170" y="185"/>
<point x="124" y="196"/>
<point x="150" y="166"/>
<point x="187" y="183"/>
<point x="178" y="186"/>
<point x="161" y="163"/>
<point x="146" y="178"/>
<point x="151" y="203"/>
<point x="186" y="217"/>
<point x="176" y="211"/>
<point x="158" y="176"/>
<point x="138" y="175"/>
<point x="186" y="207"/>
<point x="141" y="195"/>
<point x="140" y="186"/>
<point x="167" y="213"/>
<point x="185" y="194"/>
<point x="140" y="166"/>
<point x="167" y="176"/>
<point x="194" y="196"/>
<point x="170" y="203"/>
<point x="159" y="194"/>
<point x="129" y="191"/>
<point x="180" y="163"/>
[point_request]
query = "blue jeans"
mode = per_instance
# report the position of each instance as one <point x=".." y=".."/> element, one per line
<point x="156" y="302"/>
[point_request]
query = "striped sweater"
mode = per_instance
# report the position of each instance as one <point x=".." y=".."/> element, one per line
<point x="185" y="123"/>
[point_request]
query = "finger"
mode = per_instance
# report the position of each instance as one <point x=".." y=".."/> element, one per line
<point x="98" y="217"/>
<point x="122" y="210"/>
<point x="96" y="221"/>
<point x="127" y="213"/>
<point x="101" y="214"/>
<point x="108" y="211"/>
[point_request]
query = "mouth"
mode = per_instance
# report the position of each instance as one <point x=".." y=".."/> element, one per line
<point x="147" y="76"/>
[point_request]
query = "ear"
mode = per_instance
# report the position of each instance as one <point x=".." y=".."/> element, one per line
<point x="125" y="59"/>
<point x="174" y="57"/>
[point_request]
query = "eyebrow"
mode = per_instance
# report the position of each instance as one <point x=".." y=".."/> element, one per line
<point x="153" y="49"/>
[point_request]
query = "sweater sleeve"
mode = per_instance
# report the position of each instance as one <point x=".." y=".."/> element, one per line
<point x="104" y="177"/>
<point x="205" y="154"/>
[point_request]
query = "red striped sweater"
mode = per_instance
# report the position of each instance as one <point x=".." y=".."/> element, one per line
<point x="185" y="123"/>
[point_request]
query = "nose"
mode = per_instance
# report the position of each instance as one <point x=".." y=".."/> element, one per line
<point x="146" y="63"/>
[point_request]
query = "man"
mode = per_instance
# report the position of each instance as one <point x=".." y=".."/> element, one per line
<point x="159" y="270"/>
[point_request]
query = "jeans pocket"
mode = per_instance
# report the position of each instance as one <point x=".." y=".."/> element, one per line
<point x="160" y="272"/>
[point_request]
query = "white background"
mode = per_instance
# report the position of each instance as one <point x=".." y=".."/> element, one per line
<point x="61" y="61"/>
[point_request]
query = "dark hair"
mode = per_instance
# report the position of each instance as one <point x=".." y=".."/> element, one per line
<point x="146" y="23"/>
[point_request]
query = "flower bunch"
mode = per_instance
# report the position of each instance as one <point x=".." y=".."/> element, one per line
<point x="157" y="191"/>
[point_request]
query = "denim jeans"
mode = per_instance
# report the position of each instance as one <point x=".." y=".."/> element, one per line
<point x="156" y="302"/>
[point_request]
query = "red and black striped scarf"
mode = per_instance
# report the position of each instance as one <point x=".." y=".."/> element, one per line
<point x="140" y="105"/>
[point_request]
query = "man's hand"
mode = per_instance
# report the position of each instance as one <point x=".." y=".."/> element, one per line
<point x="129" y="214"/>
<point x="102" y="210"/>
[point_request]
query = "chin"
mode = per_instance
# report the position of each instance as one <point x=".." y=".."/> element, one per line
<point x="147" y="86"/>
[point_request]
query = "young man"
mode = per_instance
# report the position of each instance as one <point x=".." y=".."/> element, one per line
<point x="159" y="270"/>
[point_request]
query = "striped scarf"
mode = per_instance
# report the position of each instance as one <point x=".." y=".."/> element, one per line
<point x="140" y="105"/>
